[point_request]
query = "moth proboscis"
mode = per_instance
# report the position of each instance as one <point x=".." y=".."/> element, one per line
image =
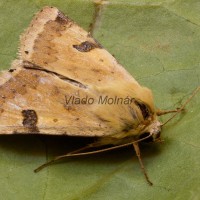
<point x="65" y="83"/>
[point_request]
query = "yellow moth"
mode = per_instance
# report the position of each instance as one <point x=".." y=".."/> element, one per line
<point x="65" y="83"/>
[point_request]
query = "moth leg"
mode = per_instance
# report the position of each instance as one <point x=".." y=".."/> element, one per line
<point x="137" y="150"/>
<point x="61" y="157"/>
<point x="164" y="112"/>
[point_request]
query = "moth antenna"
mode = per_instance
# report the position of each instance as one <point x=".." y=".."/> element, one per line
<point x="183" y="106"/>
<point x="75" y="153"/>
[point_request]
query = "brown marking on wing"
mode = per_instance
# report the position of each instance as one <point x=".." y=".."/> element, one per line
<point x="18" y="83"/>
<point x="30" y="120"/>
<point x="86" y="46"/>
<point x="62" y="19"/>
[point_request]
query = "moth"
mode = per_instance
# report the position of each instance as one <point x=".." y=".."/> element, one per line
<point x="59" y="61"/>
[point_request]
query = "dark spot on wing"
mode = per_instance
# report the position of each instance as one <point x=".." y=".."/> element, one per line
<point x="11" y="70"/>
<point x="13" y="90"/>
<point x="86" y="46"/>
<point x="3" y="97"/>
<point x="26" y="52"/>
<point x="55" y="120"/>
<point x="15" y="132"/>
<point x="62" y="19"/>
<point x="102" y="119"/>
<point x="30" y="120"/>
<point x="65" y="133"/>
<point x="96" y="70"/>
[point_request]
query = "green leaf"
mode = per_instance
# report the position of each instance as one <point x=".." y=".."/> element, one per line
<point x="158" y="42"/>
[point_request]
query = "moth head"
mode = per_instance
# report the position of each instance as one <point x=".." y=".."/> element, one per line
<point x="149" y="119"/>
<point x="152" y="132"/>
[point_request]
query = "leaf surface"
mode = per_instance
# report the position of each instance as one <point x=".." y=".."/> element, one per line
<point x="158" y="42"/>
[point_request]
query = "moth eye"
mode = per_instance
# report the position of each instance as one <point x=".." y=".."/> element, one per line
<point x="11" y="70"/>
<point x="144" y="110"/>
